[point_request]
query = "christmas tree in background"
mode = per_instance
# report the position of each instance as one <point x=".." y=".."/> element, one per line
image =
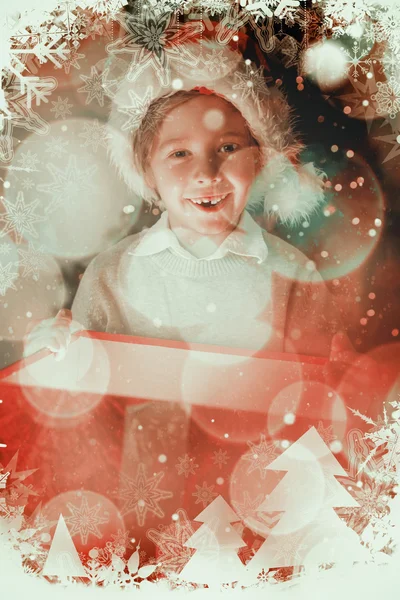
<point x="216" y="542"/>
<point x="63" y="560"/>
<point x="309" y="533"/>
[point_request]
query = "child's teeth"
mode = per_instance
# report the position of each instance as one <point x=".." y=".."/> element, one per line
<point x="207" y="201"/>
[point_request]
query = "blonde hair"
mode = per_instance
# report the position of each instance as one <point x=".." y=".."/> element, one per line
<point x="155" y="115"/>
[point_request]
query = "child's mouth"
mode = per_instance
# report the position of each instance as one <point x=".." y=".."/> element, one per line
<point x="209" y="205"/>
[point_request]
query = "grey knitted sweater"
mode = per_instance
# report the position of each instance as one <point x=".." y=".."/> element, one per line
<point x="245" y="297"/>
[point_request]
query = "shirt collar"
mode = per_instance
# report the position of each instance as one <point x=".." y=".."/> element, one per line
<point x="246" y="240"/>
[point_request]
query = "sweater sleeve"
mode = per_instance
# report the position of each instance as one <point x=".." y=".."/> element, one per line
<point x="89" y="306"/>
<point x="313" y="316"/>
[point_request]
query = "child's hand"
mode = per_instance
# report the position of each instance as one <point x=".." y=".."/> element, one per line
<point x="365" y="371"/>
<point x="54" y="334"/>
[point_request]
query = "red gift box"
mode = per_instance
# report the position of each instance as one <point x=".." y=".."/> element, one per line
<point x="148" y="427"/>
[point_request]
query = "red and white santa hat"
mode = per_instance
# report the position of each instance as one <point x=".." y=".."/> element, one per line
<point x="284" y="187"/>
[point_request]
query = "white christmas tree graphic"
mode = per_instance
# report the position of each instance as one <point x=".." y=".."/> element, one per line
<point x="215" y="560"/>
<point x="63" y="560"/>
<point x="309" y="533"/>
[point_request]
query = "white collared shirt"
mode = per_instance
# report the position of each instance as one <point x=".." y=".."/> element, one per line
<point x="245" y="240"/>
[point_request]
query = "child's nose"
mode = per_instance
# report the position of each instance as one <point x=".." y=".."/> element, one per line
<point x="207" y="171"/>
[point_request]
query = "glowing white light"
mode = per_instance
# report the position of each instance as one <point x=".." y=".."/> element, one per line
<point x="336" y="447"/>
<point x="213" y="119"/>
<point x="289" y="418"/>
<point x="177" y="84"/>
<point x="326" y="63"/>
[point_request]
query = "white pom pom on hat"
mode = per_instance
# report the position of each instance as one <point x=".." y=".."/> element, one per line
<point x="289" y="191"/>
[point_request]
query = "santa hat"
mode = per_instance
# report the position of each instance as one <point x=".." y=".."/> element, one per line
<point x="284" y="187"/>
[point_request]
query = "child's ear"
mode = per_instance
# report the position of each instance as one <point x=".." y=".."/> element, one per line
<point x="259" y="161"/>
<point x="149" y="179"/>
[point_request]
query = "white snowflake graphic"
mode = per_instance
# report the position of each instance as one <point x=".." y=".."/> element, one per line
<point x="186" y="465"/>
<point x="204" y="494"/>
<point x="358" y="64"/>
<point x="93" y="86"/>
<point x="28" y="161"/>
<point x="68" y="184"/>
<point x="260" y="456"/>
<point x="388" y="97"/>
<point x="61" y="108"/>
<point x="345" y="10"/>
<point x="27" y="184"/>
<point x="20" y="217"/>
<point x="155" y="41"/>
<point x="220" y="458"/>
<point x="215" y="61"/>
<point x="213" y="7"/>
<point x="5" y="249"/>
<point x="7" y="278"/>
<point x="33" y="260"/>
<point x="93" y="135"/>
<point x="56" y="146"/>
<point x="107" y="8"/>
<point x="85" y="520"/>
<point x="142" y="495"/>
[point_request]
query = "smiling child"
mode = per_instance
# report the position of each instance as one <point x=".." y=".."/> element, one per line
<point x="206" y="272"/>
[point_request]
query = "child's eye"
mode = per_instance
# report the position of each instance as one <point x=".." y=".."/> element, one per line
<point x="178" y="154"/>
<point x="232" y="146"/>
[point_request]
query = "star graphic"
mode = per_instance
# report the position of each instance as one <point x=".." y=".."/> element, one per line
<point x="85" y="520"/>
<point x="7" y="278"/>
<point x="33" y="260"/>
<point x="142" y="495"/>
<point x="186" y="465"/>
<point x="260" y="456"/>
<point x="16" y="478"/>
<point x="68" y="184"/>
<point x="220" y="457"/>
<point x="326" y="433"/>
<point x="137" y="109"/>
<point x="93" y="86"/>
<point x="20" y="217"/>
<point x="394" y="139"/>
<point x="61" y="107"/>
<point x="289" y="548"/>
<point x="94" y="135"/>
<point x="204" y="494"/>
<point x="248" y="508"/>
<point x="155" y="41"/>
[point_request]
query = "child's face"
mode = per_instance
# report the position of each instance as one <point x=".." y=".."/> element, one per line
<point x="203" y="148"/>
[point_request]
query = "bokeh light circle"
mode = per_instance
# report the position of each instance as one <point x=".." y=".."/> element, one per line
<point x="76" y="199"/>
<point x="91" y="518"/>
<point x="346" y="230"/>
<point x="325" y="63"/>
<point x="70" y="388"/>
<point x="33" y="295"/>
